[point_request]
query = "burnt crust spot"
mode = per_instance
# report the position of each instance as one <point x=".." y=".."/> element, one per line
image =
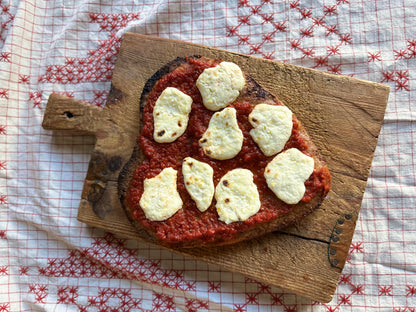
<point x="254" y="88"/>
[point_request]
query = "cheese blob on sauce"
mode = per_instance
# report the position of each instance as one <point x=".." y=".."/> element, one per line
<point x="272" y="127"/>
<point x="223" y="138"/>
<point x="237" y="196"/>
<point x="160" y="199"/>
<point x="286" y="175"/>
<point x="198" y="178"/>
<point x="220" y="85"/>
<point x="171" y="115"/>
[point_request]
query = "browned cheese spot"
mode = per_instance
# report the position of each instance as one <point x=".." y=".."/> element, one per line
<point x="161" y="132"/>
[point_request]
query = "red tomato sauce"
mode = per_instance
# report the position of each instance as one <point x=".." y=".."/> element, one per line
<point x="189" y="223"/>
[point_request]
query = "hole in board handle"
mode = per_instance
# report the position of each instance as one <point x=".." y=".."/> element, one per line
<point x="68" y="114"/>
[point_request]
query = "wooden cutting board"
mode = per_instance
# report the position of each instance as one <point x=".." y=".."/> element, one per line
<point x="343" y="116"/>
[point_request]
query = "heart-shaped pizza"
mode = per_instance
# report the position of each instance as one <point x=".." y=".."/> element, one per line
<point x="219" y="159"/>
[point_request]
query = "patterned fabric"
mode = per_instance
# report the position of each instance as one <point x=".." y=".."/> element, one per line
<point x="51" y="262"/>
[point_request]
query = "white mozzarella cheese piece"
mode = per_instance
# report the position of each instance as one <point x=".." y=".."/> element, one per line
<point x="237" y="196"/>
<point x="171" y="115"/>
<point x="220" y="85"/>
<point x="286" y="175"/>
<point x="272" y="127"/>
<point x="160" y="199"/>
<point x="198" y="178"/>
<point x="223" y="138"/>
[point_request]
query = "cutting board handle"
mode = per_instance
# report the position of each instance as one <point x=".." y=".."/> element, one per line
<point x="66" y="113"/>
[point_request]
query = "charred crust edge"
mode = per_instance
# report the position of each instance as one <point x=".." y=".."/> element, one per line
<point x="150" y="83"/>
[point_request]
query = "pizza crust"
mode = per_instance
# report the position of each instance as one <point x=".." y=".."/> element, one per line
<point x="255" y="94"/>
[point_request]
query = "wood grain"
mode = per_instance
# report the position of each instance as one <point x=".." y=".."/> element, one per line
<point x="343" y="115"/>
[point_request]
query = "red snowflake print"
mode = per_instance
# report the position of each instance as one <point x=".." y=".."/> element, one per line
<point x="2" y="129"/>
<point x="5" y="307"/>
<point x="108" y="299"/>
<point x="403" y="74"/>
<point x="264" y="288"/>
<point x="294" y="4"/>
<point x="24" y="270"/>
<point x="385" y="290"/>
<point x="24" y="78"/>
<point x="411" y="290"/>
<point x="260" y="14"/>
<point x="193" y="305"/>
<point x="3" y="200"/>
<point x="333" y="50"/>
<point x="5" y="57"/>
<point x="356" y="247"/>
<point x="36" y="98"/>
<point x="214" y="287"/>
<point x="109" y="258"/>
<point x="387" y="76"/>
<point x="400" y="54"/>
<point x="358" y="289"/>
<point x="7" y="18"/>
<point x="3" y="234"/>
<point x="344" y="299"/>
<point x="277" y="299"/>
<point x="291" y="309"/>
<point x="99" y="64"/>
<point x="252" y="298"/>
<point x="329" y="10"/>
<point x="345" y="279"/>
<point x="40" y="291"/>
<point x="306" y="32"/>
<point x="338" y="39"/>
<point x="401" y="77"/>
<point x="162" y="302"/>
<point x="4" y="93"/>
<point x="67" y="295"/>
<point x="4" y="270"/>
<point x="100" y="98"/>
<point x="346" y="39"/>
<point x="375" y="56"/>
<point x="240" y="308"/>
<point x="335" y="69"/>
